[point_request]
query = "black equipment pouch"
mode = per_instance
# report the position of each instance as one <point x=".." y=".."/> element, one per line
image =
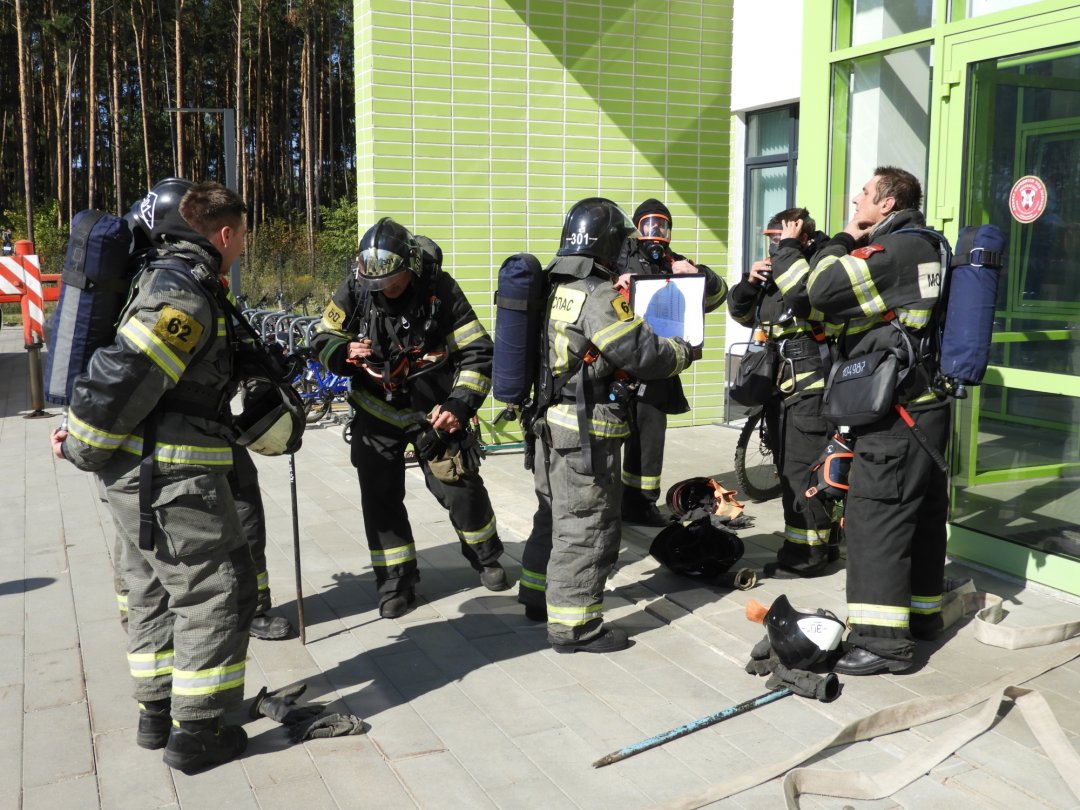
<point x="862" y="390"/>
<point x="755" y="381"/>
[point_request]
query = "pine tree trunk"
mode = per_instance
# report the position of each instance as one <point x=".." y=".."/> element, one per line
<point x="179" y="78"/>
<point x="91" y="110"/>
<point x="144" y="88"/>
<point x="26" y="121"/>
<point x="114" y="104"/>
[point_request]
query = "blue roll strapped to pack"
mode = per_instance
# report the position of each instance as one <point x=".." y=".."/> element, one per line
<point x="95" y="283"/>
<point x="971" y="296"/>
<point x="519" y="311"/>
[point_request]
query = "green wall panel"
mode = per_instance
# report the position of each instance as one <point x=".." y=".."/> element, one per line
<point x="480" y="122"/>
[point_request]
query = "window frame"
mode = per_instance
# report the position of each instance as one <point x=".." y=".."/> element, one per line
<point x="789" y="160"/>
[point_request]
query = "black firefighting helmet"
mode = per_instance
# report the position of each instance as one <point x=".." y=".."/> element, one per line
<point x="598" y="228"/>
<point x="387" y="250"/>
<point x="152" y="215"/>
<point x="693" y="493"/>
<point x="272" y="421"/>
<point x="802" y="639"/>
<point x="697" y="548"/>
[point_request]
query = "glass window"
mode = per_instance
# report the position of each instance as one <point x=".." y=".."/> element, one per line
<point x="769" y="133"/>
<point x="976" y="8"/>
<point x="872" y="20"/>
<point x="881" y="117"/>
<point x="771" y="153"/>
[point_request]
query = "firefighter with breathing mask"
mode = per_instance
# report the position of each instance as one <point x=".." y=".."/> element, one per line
<point x="643" y="453"/>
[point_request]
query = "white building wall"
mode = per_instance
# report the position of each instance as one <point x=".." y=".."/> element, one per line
<point x="766" y="71"/>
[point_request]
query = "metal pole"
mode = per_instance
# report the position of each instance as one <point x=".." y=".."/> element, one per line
<point x="231" y="180"/>
<point x="689" y="728"/>
<point x="296" y="549"/>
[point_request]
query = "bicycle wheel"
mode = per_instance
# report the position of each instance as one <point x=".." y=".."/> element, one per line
<point x="316" y="404"/>
<point x="754" y="467"/>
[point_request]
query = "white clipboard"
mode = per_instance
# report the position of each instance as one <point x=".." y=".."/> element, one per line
<point x="674" y="306"/>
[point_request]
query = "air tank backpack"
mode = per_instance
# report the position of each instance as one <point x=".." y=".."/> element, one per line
<point x="96" y="280"/>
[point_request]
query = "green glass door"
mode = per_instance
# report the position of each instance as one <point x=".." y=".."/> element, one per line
<point x="1016" y="483"/>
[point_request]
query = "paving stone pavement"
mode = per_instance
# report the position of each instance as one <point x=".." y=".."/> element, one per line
<point x="467" y="705"/>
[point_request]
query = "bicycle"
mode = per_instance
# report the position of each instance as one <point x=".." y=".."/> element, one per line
<point x="755" y="469"/>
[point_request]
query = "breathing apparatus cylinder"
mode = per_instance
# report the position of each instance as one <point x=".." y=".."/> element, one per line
<point x="970" y="294"/>
<point x="519" y="311"/>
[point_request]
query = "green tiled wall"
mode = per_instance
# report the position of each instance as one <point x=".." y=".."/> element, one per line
<point x="480" y="122"/>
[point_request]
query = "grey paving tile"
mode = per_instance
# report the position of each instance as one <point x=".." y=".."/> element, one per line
<point x="129" y="776"/>
<point x="309" y="793"/>
<point x="11" y="654"/>
<point x="356" y="775"/>
<point x="54" y="678"/>
<point x="400" y="732"/>
<point x="566" y="759"/>
<point x="56" y="745"/>
<point x="224" y="786"/>
<point x="439" y="780"/>
<point x="81" y="792"/>
<point x="11" y="747"/>
<point x="986" y="788"/>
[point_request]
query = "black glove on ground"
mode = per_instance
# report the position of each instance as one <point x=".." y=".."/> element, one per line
<point x="332" y="725"/>
<point x="280" y="705"/>
<point x="805" y="684"/>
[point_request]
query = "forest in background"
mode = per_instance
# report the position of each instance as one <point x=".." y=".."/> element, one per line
<point x="85" y="92"/>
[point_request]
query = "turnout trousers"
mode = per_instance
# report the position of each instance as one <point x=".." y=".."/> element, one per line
<point x="191" y="597"/>
<point x="800" y="437"/>
<point x="643" y="453"/>
<point x="575" y="537"/>
<point x="894" y="523"/>
<point x="244" y="482"/>
<point x="378" y="453"/>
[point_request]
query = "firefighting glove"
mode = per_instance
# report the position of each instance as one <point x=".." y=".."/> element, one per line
<point x="472" y="453"/>
<point x="430" y="443"/>
<point x="763" y="660"/>
<point x="280" y="705"/>
<point x="332" y="725"/>
<point x="804" y="683"/>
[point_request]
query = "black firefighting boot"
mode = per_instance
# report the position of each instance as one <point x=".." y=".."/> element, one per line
<point x="270" y="628"/>
<point x="155" y="723"/>
<point x="195" y="745"/>
<point x="493" y="577"/>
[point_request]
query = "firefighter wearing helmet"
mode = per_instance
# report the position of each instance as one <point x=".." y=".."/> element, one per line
<point x="151" y="219"/>
<point x="643" y="455"/>
<point x="151" y="417"/>
<point x="420" y="364"/>
<point x="594" y="351"/>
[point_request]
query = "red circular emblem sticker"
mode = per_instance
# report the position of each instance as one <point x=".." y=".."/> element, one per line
<point x="1027" y="200"/>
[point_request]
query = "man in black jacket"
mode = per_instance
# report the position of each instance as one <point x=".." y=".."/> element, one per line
<point x="773" y="297"/>
<point x="420" y="363"/>
<point x="643" y="453"/>
<point x="878" y="275"/>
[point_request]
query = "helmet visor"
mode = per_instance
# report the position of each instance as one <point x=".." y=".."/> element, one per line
<point x="656" y="227"/>
<point x="375" y="267"/>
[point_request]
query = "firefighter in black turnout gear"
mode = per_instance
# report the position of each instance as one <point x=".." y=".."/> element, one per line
<point x="773" y="298"/>
<point x="874" y="272"/>
<point x="595" y="348"/>
<point x="643" y="453"/>
<point x="420" y="363"/>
